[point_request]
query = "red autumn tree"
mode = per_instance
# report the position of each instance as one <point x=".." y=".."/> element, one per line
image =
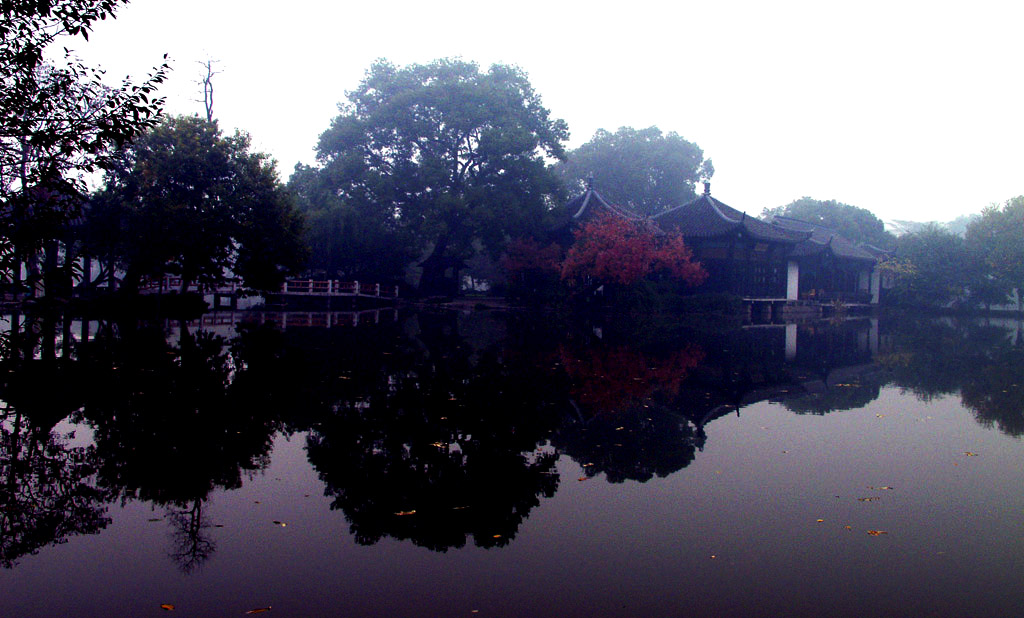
<point x="615" y="250"/>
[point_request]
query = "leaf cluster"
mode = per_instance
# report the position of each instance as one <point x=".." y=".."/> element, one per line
<point x="445" y="152"/>
<point x="188" y="201"/>
<point x="645" y="169"/>
<point x="614" y="250"/>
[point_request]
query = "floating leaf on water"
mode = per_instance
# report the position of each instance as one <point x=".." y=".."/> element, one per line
<point x="583" y="478"/>
<point x="258" y="610"/>
<point x="437" y="444"/>
<point x="496" y="536"/>
<point x="459" y="508"/>
<point x="877" y="532"/>
<point x="820" y="520"/>
<point x="404" y="513"/>
<point x="155" y="519"/>
<point x="848" y="527"/>
<point x="587" y="465"/>
<point x="280" y="523"/>
<point x="713" y="556"/>
<point x="167" y="606"/>
<point x="218" y="525"/>
<point x="619" y="428"/>
<point x="970" y="454"/>
<point x="869" y="499"/>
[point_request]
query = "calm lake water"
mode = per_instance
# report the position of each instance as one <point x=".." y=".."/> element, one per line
<point x="484" y="464"/>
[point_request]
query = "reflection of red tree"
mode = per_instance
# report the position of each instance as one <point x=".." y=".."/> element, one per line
<point x="619" y="251"/>
<point x="605" y="379"/>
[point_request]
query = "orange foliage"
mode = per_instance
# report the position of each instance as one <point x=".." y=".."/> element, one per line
<point x="615" y="250"/>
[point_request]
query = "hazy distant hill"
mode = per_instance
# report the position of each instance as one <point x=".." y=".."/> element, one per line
<point x="957" y="226"/>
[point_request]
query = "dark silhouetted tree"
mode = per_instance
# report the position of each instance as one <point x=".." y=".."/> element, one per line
<point x="193" y="203"/>
<point x="454" y="156"/>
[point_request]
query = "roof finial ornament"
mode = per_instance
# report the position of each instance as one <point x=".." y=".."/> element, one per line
<point x="590" y="181"/>
<point x="707" y="188"/>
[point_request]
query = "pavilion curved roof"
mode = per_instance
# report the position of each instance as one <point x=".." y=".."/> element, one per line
<point x="822" y="239"/>
<point x="590" y="204"/>
<point x="707" y="217"/>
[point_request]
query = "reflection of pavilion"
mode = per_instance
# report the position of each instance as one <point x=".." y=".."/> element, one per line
<point x="813" y="368"/>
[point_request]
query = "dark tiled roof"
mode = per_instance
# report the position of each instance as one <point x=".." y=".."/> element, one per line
<point x="706" y="217"/>
<point x="822" y="239"/>
<point x="589" y="205"/>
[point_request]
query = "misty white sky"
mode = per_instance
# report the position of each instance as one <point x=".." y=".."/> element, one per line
<point x="912" y="110"/>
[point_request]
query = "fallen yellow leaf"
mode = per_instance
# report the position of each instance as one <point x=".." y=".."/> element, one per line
<point x="970" y="454"/>
<point x="167" y="606"/>
<point x="403" y="513"/>
<point x="869" y="499"/>
<point x="259" y="610"/>
<point x="820" y="520"/>
<point x="877" y="532"/>
<point x="280" y="523"/>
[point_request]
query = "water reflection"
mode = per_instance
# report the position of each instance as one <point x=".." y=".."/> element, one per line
<point x="48" y="490"/>
<point x="442" y="429"/>
<point x="439" y="442"/>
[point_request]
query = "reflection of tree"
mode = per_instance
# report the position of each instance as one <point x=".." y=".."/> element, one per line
<point x="636" y="443"/>
<point x="170" y="427"/>
<point x="440" y="446"/>
<point x="47" y="489"/>
<point x="191" y="546"/>
<point x="604" y="378"/>
<point x="983" y="363"/>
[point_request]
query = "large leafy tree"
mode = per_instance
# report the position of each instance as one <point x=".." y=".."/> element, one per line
<point x="191" y="202"/>
<point x="352" y="240"/>
<point x="995" y="241"/>
<point x="58" y="122"/>
<point x="857" y="224"/>
<point x="932" y="268"/>
<point x="453" y="155"/>
<point x="645" y="169"/>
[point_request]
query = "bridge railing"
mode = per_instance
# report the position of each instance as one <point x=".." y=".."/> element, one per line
<point x="302" y="287"/>
<point x="334" y="287"/>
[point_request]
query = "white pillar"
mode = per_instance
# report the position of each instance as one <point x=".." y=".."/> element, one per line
<point x="790" y="341"/>
<point x="793" y="281"/>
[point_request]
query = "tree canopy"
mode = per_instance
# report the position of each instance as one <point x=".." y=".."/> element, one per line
<point x="451" y="155"/>
<point x="58" y="122"/>
<point x="645" y="169"/>
<point x="191" y="202"/>
<point x="857" y="224"/>
<point x="931" y="268"/>
<point x="996" y="241"/>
